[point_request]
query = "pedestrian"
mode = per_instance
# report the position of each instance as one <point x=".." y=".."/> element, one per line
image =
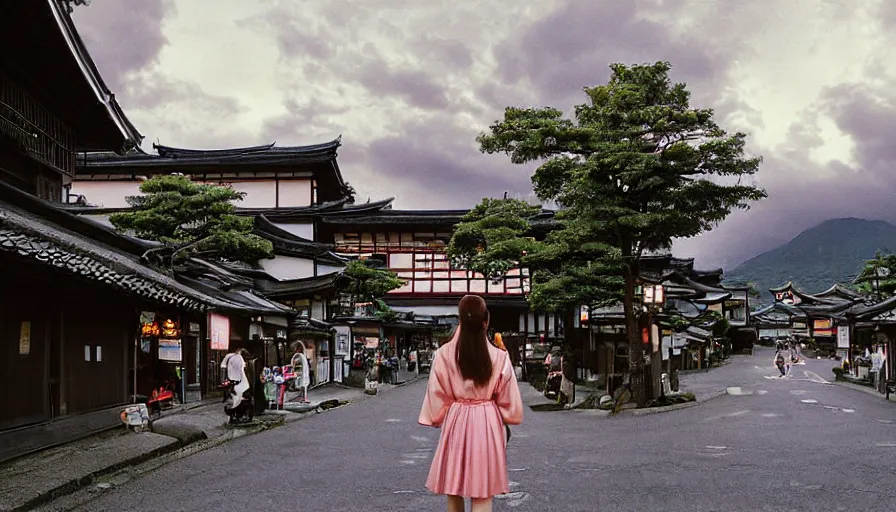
<point x="779" y="362"/>
<point x="302" y="372"/>
<point x="472" y="393"/>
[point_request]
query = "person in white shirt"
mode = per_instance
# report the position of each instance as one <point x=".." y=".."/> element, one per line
<point x="234" y="366"/>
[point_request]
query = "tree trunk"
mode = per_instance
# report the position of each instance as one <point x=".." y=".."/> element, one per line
<point x="570" y="356"/>
<point x="632" y="328"/>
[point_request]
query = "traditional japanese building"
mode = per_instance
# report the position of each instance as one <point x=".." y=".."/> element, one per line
<point x="683" y="305"/>
<point x="812" y="316"/>
<point x="304" y="207"/>
<point x="73" y="347"/>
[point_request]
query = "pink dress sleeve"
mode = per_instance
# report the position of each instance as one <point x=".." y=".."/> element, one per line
<point x="438" y="395"/>
<point x="507" y="395"/>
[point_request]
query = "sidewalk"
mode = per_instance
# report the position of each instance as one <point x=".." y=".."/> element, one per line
<point x="34" y="479"/>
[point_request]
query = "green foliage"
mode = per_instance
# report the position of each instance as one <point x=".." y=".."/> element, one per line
<point x="493" y="237"/>
<point x="878" y="275"/>
<point x="187" y="215"/>
<point x="636" y="167"/>
<point x="367" y="284"/>
<point x="384" y="312"/>
<point x="636" y="162"/>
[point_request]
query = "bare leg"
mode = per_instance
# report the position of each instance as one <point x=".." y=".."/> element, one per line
<point x="455" y="504"/>
<point x="482" y="505"/>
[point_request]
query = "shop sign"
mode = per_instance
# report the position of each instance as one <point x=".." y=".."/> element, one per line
<point x="822" y="324"/>
<point x="843" y="337"/>
<point x="194" y="327"/>
<point x="219" y="331"/>
<point x="170" y="350"/>
<point x="25" y="338"/>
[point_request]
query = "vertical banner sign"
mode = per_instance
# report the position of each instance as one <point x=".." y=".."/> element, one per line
<point x="219" y="331"/>
<point x="25" y="338"/>
<point x="843" y="336"/>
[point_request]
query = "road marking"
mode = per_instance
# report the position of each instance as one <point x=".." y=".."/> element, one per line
<point x="814" y="377"/>
<point x="716" y="447"/>
<point x="770" y="415"/>
<point x="809" y="401"/>
<point x="886" y="421"/>
<point x="848" y="410"/>
<point x="738" y="413"/>
<point x="420" y="439"/>
<point x="886" y="445"/>
<point x="407" y="461"/>
<point x="761" y="392"/>
<point x="518" y="469"/>
<point x="738" y="391"/>
<point x="797" y="392"/>
<point x="403" y="492"/>
<point x="830" y="407"/>
<point x="393" y="420"/>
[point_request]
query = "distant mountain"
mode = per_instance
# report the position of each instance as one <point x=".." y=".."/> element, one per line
<point x="829" y="253"/>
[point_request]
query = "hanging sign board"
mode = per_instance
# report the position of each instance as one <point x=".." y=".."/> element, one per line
<point x="170" y="350"/>
<point x="25" y="338"/>
<point x="219" y="331"/>
<point x="843" y="336"/>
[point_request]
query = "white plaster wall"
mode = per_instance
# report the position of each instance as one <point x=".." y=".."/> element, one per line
<point x="323" y="270"/>
<point x="287" y="267"/>
<point x="304" y="230"/>
<point x="295" y="193"/>
<point x="259" y="194"/>
<point x="108" y="194"/>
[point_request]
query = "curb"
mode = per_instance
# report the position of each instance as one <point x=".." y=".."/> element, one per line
<point x="177" y="450"/>
<point x="657" y="410"/>
<point x="77" y="484"/>
<point x="863" y="389"/>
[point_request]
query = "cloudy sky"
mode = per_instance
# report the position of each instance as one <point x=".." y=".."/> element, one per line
<point x="410" y="83"/>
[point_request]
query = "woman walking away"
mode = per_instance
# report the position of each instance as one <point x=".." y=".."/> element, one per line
<point x="472" y="395"/>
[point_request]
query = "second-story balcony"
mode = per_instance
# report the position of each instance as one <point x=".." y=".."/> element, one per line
<point x="40" y="134"/>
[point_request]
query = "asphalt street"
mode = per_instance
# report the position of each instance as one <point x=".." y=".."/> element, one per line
<point x="793" y="444"/>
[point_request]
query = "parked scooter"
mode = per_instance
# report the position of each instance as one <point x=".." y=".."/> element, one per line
<point x="238" y="402"/>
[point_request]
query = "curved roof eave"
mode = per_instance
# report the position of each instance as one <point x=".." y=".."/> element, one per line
<point x="131" y="137"/>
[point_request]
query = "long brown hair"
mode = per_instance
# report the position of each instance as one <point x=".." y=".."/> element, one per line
<point x="472" y="355"/>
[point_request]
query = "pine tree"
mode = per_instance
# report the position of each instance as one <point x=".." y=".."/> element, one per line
<point x="190" y="218"/>
<point x="635" y="168"/>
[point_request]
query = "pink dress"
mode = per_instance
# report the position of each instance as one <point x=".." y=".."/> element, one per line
<point x="471" y="459"/>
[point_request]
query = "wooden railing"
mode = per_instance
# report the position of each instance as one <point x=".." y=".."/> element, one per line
<point x="45" y="138"/>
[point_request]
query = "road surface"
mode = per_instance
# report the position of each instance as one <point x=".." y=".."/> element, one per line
<point x="775" y="444"/>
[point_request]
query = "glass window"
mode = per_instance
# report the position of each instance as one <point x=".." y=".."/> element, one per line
<point x="477" y="286"/>
<point x="459" y="274"/>
<point x="422" y="260"/>
<point x="422" y="286"/>
<point x="440" y="275"/>
<point x="425" y="274"/>
<point x="459" y="285"/>
<point x="440" y="286"/>
<point x="401" y="260"/>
